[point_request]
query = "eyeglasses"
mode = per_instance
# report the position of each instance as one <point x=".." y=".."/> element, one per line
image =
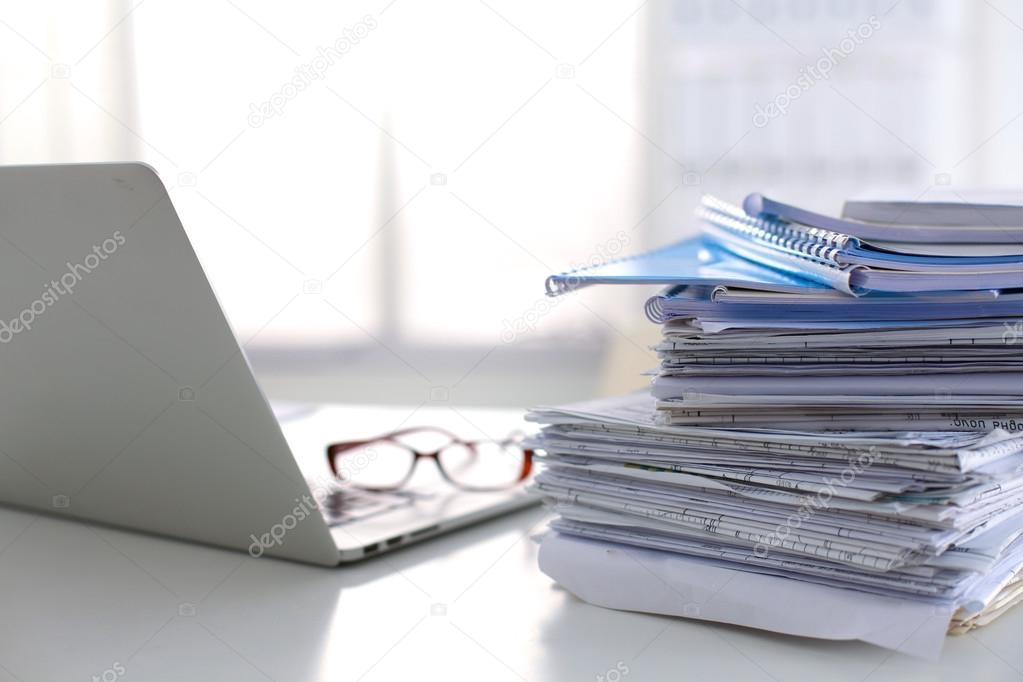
<point x="388" y="462"/>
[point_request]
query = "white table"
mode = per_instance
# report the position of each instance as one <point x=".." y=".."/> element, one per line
<point x="84" y="602"/>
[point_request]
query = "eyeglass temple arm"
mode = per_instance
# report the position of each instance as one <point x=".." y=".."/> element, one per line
<point x="527" y="464"/>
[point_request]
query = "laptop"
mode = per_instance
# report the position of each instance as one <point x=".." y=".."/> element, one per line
<point x="127" y="400"/>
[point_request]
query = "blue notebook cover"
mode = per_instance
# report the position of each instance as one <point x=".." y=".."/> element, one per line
<point x="695" y="261"/>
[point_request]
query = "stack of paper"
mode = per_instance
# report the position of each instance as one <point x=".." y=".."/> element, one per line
<point x="832" y="442"/>
<point x="833" y="375"/>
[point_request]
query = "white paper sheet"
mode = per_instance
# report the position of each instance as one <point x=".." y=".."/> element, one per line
<point x="633" y="579"/>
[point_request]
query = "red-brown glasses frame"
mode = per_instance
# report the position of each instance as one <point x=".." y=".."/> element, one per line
<point x="335" y="449"/>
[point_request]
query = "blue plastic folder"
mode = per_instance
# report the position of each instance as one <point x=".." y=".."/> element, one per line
<point x="695" y="261"/>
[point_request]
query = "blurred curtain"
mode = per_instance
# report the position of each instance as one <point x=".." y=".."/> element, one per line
<point x="67" y="81"/>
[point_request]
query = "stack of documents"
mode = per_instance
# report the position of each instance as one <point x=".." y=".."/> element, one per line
<point x="837" y="375"/>
<point x="841" y="419"/>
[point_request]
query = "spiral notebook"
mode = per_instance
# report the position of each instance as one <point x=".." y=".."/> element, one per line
<point x="788" y="244"/>
<point x="847" y="249"/>
<point x="952" y="222"/>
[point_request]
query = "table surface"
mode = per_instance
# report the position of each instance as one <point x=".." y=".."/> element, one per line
<point x="87" y="602"/>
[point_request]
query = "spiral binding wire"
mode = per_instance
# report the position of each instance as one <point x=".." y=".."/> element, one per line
<point x="822" y="245"/>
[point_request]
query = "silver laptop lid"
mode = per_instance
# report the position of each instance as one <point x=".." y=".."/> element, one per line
<point x="125" y="396"/>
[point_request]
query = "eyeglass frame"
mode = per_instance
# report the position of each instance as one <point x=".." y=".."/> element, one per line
<point x="335" y="449"/>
